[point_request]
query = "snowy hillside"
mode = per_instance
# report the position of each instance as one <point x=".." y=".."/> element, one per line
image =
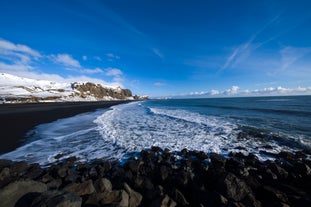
<point x="17" y="89"/>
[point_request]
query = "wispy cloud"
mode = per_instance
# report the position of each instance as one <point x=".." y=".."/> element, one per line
<point x="159" y="84"/>
<point x="132" y="31"/>
<point x="18" y="54"/>
<point x="84" y="57"/>
<point x="244" y="50"/>
<point x="98" y="58"/>
<point x="157" y="52"/>
<point x="113" y="72"/>
<point x="116" y="73"/>
<point x="89" y="71"/>
<point x="6" y="46"/>
<point x="289" y="55"/>
<point x="66" y="60"/>
<point x="112" y="57"/>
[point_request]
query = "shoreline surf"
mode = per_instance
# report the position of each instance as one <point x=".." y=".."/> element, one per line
<point x="172" y="124"/>
<point x="17" y="119"/>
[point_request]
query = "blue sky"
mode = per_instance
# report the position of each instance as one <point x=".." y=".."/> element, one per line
<point x="161" y="48"/>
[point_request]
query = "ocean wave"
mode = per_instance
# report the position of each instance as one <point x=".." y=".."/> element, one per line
<point x="264" y="110"/>
<point x="134" y="127"/>
<point x="129" y="128"/>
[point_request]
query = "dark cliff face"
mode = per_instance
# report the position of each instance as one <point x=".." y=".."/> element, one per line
<point x="100" y="92"/>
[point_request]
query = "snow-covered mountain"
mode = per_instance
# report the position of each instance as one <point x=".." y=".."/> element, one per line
<point x="14" y="89"/>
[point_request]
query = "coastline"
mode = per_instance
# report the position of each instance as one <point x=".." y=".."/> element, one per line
<point x="17" y="119"/>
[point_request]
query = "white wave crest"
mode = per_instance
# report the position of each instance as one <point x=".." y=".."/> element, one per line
<point x="134" y="127"/>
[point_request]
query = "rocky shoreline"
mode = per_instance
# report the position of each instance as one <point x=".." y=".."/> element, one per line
<point x="160" y="178"/>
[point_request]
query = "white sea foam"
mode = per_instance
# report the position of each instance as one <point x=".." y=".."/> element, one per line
<point x="74" y="136"/>
<point x="133" y="127"/>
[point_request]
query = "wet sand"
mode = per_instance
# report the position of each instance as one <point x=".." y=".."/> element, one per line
<point x="17" y="119"/>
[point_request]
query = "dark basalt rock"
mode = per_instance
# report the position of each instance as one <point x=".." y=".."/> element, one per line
<point x="135" y="198"/>
<point x="180" y="198"/>
<point x="10" y="194"/>
<point x="85" y="188"/>
<point x="233" y="187"/>
<point x="161" y="178"/>
<point x="278" y="170"/>
<point x="19" y="168"/>
<point x="5" y="163"/>
<point x="103" y="185"/>
<point x="217" y="160"/>
<point x="57" y="199"/>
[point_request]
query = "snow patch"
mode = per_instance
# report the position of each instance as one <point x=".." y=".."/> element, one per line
<point x="19" y="89"/>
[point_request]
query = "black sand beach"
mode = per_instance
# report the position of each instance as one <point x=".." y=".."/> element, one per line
<point x="17" y="119"/>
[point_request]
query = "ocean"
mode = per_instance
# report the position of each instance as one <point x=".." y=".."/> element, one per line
<point x="258" y="125"/>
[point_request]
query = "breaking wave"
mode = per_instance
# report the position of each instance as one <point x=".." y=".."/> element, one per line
<point x="130" y="128"/>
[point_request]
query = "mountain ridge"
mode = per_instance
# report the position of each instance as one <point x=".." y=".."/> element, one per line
<point x="15" y="89"/>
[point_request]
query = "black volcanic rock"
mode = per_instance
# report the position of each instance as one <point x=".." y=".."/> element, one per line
<point x="233" y="187"/>
<point x="10" y="194"/>
<point x="159" y="178"/>
<point x="57" y="199"/>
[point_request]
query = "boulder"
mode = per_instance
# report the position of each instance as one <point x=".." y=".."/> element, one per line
<point x="272" y="196"/>
<point x="51" y="182"/>
<point x="34" y="171"/>
<point x="85" y="188"/>
<point x="93" y="172"/>
<point x="250" y="200"/>
<point x="108" y="197"/>
<point x="62" y="171"/>
<point x="4" y="173"/>
<point x="164" y="172"/>
<point x="103" y="185"/>
<point x="168" y="202"/>
<point x="119" y="198"/>
<point x="147" y="184"/>
<point x="124" y="201"/>
<point x="215" y="199"/>
<point x="302" y="168"/>
<point x="217" y="160"/>
<point x="135" y="198"/>
<point x="5" y="163"/>
<point x="19" y="168"/>
<point x="57" y="199"/>
<point x="233" y="187"/>
<point x="156" y="149"/>
<point x="10" y="194"/>
<point x="278" y="170"/>
<point x="133" y="165"/>
<point x="180" y="198"/>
